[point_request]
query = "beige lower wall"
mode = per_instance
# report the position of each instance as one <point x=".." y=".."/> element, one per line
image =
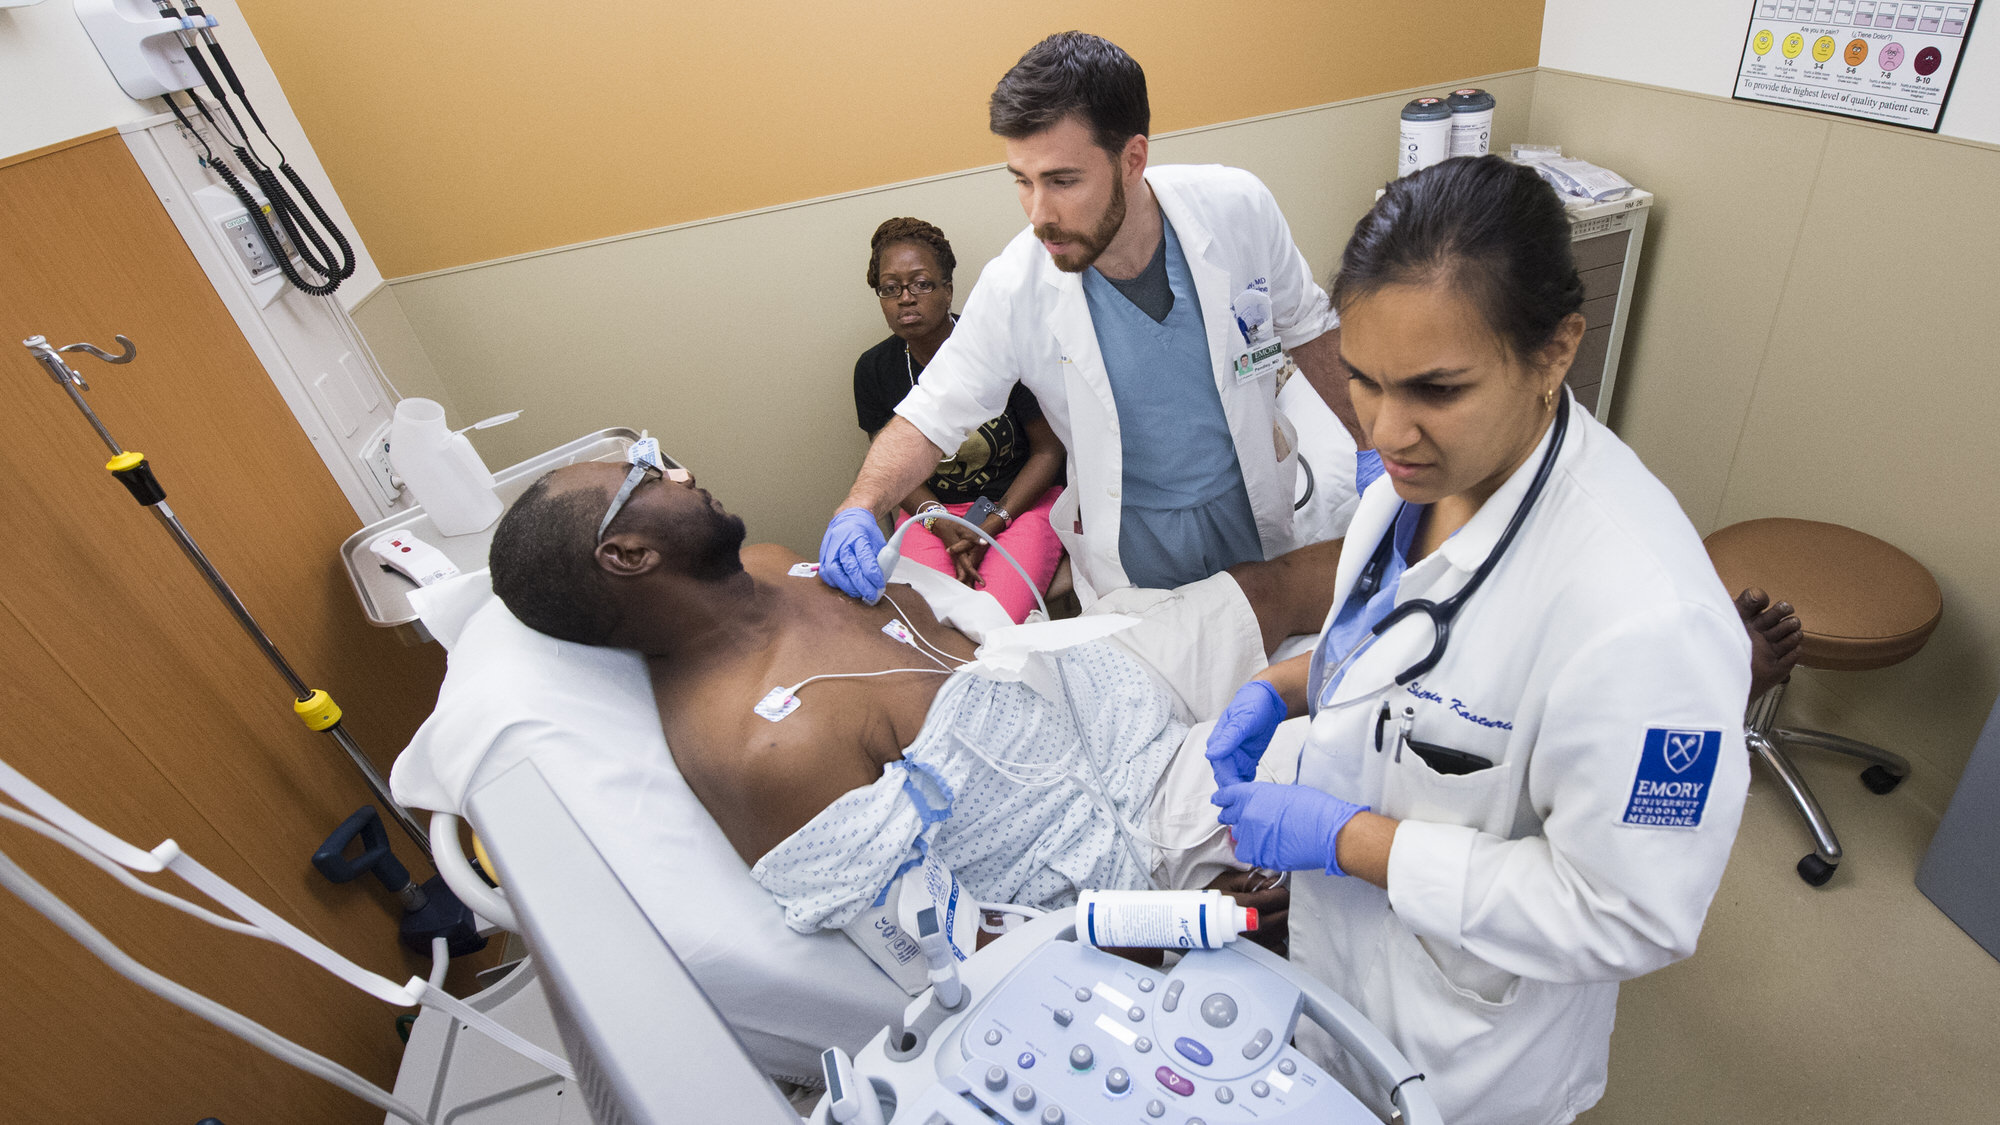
<point x="401" y="354"/>
<point x="1811" y="338"/>
<point x="1801" y="339"/>
<point x="734" y="340"/>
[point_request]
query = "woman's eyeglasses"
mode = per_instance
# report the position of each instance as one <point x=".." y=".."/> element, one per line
<point x="922" y="287"/>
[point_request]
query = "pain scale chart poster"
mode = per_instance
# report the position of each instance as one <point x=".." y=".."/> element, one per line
<point x="1878" y="60"/>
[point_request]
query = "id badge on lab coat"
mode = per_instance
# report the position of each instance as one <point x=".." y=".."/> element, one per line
<point x="1259" y="353"/>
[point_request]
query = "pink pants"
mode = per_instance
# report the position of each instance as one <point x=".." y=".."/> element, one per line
<point x="1029" y="539"/>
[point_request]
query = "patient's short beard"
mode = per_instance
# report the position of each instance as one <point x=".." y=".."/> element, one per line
<point x="709" y="546"/>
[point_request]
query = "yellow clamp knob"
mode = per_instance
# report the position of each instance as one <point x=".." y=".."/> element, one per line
<point x="125" y="461"/>
<point x="485" y="861"/>
<point x="317" y="711"/>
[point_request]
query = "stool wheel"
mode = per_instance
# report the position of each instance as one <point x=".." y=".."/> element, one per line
<point x="1879" y="780"/>
<point x="1814" y="870"/>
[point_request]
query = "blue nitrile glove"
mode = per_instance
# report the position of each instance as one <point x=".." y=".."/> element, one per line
<point x="1284" y="827"/>
<point x="847" y="554"/>
<point x="1243" y="732"/>
<point x="1367" y="466"/>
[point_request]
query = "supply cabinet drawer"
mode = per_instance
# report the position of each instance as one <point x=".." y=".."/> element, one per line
<point x="1606" y="249"/>
<point x="1602" y="250"/>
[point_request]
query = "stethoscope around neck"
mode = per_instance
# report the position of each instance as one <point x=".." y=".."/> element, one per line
<point x="1440" y="613"/>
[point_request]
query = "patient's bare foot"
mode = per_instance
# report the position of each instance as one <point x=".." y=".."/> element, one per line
<point x="1775" y="637"/>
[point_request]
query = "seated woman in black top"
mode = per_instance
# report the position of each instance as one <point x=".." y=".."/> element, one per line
<point x="1012" y="462"/>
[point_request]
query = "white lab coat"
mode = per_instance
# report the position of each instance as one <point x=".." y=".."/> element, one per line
<point x="1028" y="321"/>
<point x="1518" y="898"/>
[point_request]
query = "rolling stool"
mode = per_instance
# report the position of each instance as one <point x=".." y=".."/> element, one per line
<point x="1863" y="604"/>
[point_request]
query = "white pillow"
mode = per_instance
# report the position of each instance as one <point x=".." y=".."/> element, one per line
<point x="586" y="717"/>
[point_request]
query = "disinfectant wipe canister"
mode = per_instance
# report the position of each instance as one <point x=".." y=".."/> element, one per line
<point x="1161" y="919"/>
<point x="1471" y="122"/>
<point x="1426" y="135"/>
<point x="442" y="469"/>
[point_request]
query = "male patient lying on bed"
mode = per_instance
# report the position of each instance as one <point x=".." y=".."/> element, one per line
<point x="833" y="800"/>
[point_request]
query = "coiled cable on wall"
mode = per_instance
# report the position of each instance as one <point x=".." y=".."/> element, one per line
<point x="300" y="235"/>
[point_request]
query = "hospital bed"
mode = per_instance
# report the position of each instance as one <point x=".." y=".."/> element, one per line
<point x="647" y="1046"/>
<point x="584" y="719"/>
<point x="657" y="965"/>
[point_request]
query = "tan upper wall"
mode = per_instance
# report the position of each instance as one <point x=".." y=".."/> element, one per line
<point x="460" y="135"/>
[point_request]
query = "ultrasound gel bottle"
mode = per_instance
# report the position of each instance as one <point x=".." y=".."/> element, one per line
<point x="1161" y="919"/>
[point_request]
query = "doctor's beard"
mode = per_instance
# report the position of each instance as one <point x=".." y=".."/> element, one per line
<point x="1085" y="248"/>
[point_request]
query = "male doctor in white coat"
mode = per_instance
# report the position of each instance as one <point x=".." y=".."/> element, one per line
<point x="1149" y="311"/>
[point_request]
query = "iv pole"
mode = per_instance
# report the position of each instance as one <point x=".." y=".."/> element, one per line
<point x="314" y="707"/>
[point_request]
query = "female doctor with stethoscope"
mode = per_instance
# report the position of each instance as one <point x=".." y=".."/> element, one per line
<point x="1524" y="764"/>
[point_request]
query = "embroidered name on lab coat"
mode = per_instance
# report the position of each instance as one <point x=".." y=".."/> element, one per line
<point x="1457" y="707"/>
<point x="1675" y="770"/>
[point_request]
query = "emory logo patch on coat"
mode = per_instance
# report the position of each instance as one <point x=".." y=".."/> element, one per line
<point x="1675" y="769"/>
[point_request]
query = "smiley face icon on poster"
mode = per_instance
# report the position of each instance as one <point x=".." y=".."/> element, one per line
<point x="1857" y="52"/>
<point x="1761" y="42"/>
<point x="1823" y="48"/>
<point x="1889" y="57"/>
<point x="1928" y="60"/>
<point x="1794" y="43"/>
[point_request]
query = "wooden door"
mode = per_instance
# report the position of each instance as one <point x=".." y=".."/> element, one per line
<point x="130" y="693"/>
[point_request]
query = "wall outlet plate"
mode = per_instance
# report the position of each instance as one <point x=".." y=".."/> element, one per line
<point x="263" y="282"/>
<point x="374" y="459"/>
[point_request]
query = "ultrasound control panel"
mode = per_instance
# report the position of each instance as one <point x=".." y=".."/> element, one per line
<point x="1077" y="1035"/>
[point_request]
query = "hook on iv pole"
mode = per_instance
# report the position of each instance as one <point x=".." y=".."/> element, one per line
<point x="127" y="348"/>
<point x="61" y="372"/>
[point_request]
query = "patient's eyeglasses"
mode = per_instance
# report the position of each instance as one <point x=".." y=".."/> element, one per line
<point x="922" y="287"/>
<point x="632" y="479"/>
<point x="646" y="462"/>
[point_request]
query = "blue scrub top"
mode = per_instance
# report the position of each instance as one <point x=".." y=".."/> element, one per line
<point x="1185" y="512"/>
<point x="1350" y="627"/>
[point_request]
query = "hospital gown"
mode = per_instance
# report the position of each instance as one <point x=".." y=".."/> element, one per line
<point x="992" y="785"/>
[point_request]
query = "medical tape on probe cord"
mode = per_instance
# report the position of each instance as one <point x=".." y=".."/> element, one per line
<point x="169" y="857"/>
